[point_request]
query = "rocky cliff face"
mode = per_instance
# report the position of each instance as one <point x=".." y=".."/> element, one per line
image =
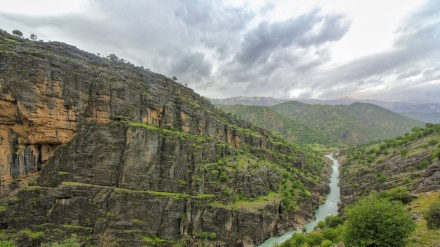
<point x="124" y="156"/>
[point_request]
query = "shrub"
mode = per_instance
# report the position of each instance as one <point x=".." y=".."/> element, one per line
<point x="404" y="152"/>
<point x="212" y="235"/>
<point x="297" y="240"/>
<point x="333" y="221"/>
<point x="432" y="216"/>
<point x="400" y="194"/>
<point x="223" y="177"/>
<point x="436" y="154"/>
<point x="314" y="239"/>
<point x="7" y="243"/>
<point x="326" y="243"/>
<point x="423" y="165"/>
<point x="376" y="221"/>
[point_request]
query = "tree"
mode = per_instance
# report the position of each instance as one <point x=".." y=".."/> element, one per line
<point x="33" y="37"/>
<point x="174" y="78"/>
<point x="432" y="216"/>
<point x="112" y="57"/>
<point x="377" y="221"/>
<point x="17" y="33"/>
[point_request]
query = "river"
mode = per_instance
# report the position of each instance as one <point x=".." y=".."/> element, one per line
<point x="330" y="207"/>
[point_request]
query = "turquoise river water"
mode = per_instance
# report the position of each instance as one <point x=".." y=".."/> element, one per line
<point x="330" y="207"/>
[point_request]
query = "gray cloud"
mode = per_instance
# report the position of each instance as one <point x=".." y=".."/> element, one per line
<point x="303" y="31"/>
<point x="222" y="51"/>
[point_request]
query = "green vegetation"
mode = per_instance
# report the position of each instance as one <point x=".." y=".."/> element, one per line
<point x="69" y="242"/>
<point x="377" y="222"/>
<point x="432" y="216"/>
<point x="328" y="233"/>
<point x="281" y="125"/>
<point x="17" y="33"/>
<point x="325" y="126"/>
<point x="33" y="37"/>
<point x="7" y="243"/>
<point x="402" y="160"/>
<point x="420" y="206"/>
<point x="32" y="234"/>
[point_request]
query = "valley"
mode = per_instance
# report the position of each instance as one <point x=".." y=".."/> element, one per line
<point x="112" y="154"/>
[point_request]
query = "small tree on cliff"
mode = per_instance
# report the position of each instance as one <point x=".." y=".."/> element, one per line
<point x="17" y="33"/>
<point x="33" y="37"/>
<point x="112" y="57"/>
<point x="377" y="222"/>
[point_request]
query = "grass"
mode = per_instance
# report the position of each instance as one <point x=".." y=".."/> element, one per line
<point x="32" y="234"/>
<point x="424" y="236"/>
<point x="249" y="205"/>
<point x="3" y="208"/>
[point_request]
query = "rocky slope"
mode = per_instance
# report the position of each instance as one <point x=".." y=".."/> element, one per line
<point x="125" y="156"/>
<point x="410" y="161"/>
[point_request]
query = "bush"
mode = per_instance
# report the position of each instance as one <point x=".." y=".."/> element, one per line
<point x="423" y="165"/>
<point x="326" y="243"/>
<point x="432" y="216"/>
<point x="376" y="221"/>
<point x="212" y="235"/>
<point x="314" y="239"/>
<point x="7" y="243"/>
<point x="400" y="194"/>
<point x="297" y="240"/>
<point x="436" y="154"/>
<point x="223" y="177"/>
<point x="333" y="221"/>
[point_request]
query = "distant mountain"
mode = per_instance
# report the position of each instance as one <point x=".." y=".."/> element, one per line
<point x="242" y="100"/>
<point x="433" y="117"/>
<point x="426" y="112"/>
<point x="392" y="106"/>
<point x="282" y="125"/>
<point x="352" y="124"/>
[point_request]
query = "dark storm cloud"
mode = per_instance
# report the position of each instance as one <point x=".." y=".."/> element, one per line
<point x="304" y="31"/>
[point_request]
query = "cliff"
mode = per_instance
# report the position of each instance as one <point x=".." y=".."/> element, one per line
<point x="122" y="156"/>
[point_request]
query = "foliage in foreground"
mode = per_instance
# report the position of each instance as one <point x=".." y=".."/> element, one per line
<point x="329" y="234"/>
<point x="375" y="221"/>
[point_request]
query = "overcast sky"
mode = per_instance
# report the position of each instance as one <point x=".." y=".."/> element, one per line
<point x="381" y="49"/>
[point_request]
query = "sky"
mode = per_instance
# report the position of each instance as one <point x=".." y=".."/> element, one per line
<point x="288" y="49"/>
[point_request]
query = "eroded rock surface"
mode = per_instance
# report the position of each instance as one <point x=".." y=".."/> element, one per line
<point x="129" y="157"/>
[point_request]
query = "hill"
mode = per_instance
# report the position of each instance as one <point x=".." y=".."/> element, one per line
<point x="241" y="100"/>
<point x="425" y="112"/>
<point x="432" y="117"/>
<point x="122" y="156"/>
<point x="282" y="125"/>
<point x="352" y="124"/>
<point x="405" y="164"/>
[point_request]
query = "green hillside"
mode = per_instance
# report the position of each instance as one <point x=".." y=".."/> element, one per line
<point x="400" y="167"/>
<point x="281" y="125"/>
<point x="352" y="124"/>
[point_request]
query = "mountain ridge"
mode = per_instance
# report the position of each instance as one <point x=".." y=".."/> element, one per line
<point x="425" y="112"/>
